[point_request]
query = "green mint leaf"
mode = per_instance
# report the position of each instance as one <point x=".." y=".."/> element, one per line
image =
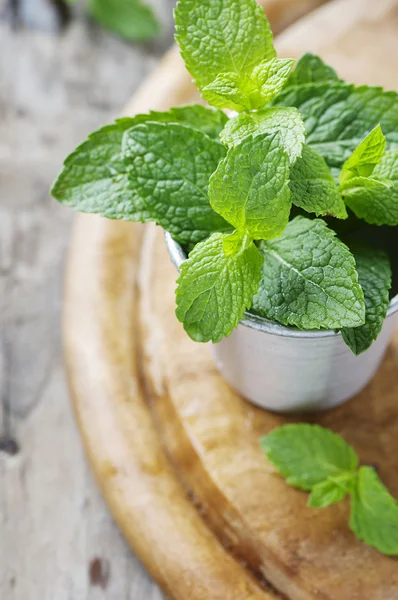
<point x="313" y="188"/>
<point x="309" y="279"/>
<point x="365" y="157"/>
<point x="375" y="198"/>
<point x="375" y="275"/>
<point x="374" y="513"/>
<point x="285" y="121"/>
<point x="332" y="490"/>
<point x="270" y="77"/>
<point x="169" y="168"/>
<point x="94" y="176"/>
<point x="307" y="455"/>
<point x="311" y="69"/>
<point x="250" y="187"/>
<point x="216" y="286"/>
<point x="337" y="116"/>
<point x="131" y="19"/>
<point x="230" y="90"/>
<point x="222" y="36"/>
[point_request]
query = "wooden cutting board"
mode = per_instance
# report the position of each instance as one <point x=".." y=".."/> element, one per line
<point x="156" y="418"/>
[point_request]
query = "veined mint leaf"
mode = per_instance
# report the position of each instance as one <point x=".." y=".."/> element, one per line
<point x="309" y="279"/>
<point x="374" y="272"/>
<point x="365" y="157"/>
<point x="94" y="176"/>
<point x="307" y="455"/>
<point x="222" y="36"/>
<point x="169" y="167"/>
<point x="374" y="513"/>
<point x="312" y="186"/>
<point x="285" y="121"/>
<point x="250" y="187"/>
<point x="131" y="19"/>
<point x="270" y="77"/>
<point x="216" y="286"/>
<point x="230" y="90"/>
<point x="331" y="491"/>
<point x="311" y="69"/>
<point x="338" y="116"/>
<point x="375" y="198"/>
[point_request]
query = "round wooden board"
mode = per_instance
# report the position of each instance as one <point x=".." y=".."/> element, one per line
<point x="124" y="348"/>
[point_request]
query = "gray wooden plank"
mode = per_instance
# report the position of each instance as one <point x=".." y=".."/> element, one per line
<point x="57" y="538"/>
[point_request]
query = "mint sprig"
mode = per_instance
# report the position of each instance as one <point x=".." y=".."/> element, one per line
<point x="302" y="138"/>
<point x="319" y="461"/>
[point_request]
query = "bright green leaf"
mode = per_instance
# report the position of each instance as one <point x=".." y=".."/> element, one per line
<point x="313" y="188"/>
<point x="306" y="455"/>
<point x="131" y="19"/>
<point x="374" y="513"/>
<point x="250" y="187"/>
<point x="311" y="69"/>
<point x="209" y="121"/>
<point x="365" y="157"/>
<point x="375" y="198"/>
<point x="216" y="286"/>
<point x="230" y="90"/>
<point x="374" y="272"/>
<point x="285" y="121"/>
<point x="309" y="279"/>
<point x="270" y="77"/>
<point x="222" y="36"/>
<point x="169" y="168"/>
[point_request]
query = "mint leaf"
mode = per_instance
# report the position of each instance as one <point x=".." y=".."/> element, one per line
<point x="374" y="513"/>
<point x="375" y="198"/>
<point x="230" y="90"/>
<point x="285" y="121"/>
<point x="365" y="157"/>
<point x="216" y="286"/>
<point x="313" y="188"/>
<point x="270" y="77"/>
<point x="311" y="69"/>
<point x="222" y="36"/>
<point x="250" y="187"/>
<point x="331" y="491"/>
<point x="169" y="167"/>
<point x="129" y="18"/>
<point x="309" y="279"/>
<point x="337" y="116"/>
<point x="94" y="176"/>
<point x="307" y="455"/>
<point x="374" y="272"/>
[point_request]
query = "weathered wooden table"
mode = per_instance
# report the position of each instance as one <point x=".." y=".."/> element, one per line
<point x="57" y="539"/>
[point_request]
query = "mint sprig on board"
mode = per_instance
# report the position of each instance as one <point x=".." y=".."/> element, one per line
<point x="243" y="194"/>
<point x="316" y="460"/>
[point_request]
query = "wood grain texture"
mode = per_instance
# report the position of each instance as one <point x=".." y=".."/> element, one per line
<point x="209" y="432"/>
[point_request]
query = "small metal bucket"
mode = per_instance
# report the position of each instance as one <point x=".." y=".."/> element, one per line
<point x="287" y="370"/>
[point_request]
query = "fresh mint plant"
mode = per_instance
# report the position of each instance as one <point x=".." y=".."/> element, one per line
<point x="319" y="461"/>
<point x="257" y="197"/>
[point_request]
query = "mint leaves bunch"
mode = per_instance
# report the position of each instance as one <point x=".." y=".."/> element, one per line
<point x="319" y="461"/>
<point x="243" y="193"/>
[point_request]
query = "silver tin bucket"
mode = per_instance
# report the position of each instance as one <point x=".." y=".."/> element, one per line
<point x="286" y="370"/>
